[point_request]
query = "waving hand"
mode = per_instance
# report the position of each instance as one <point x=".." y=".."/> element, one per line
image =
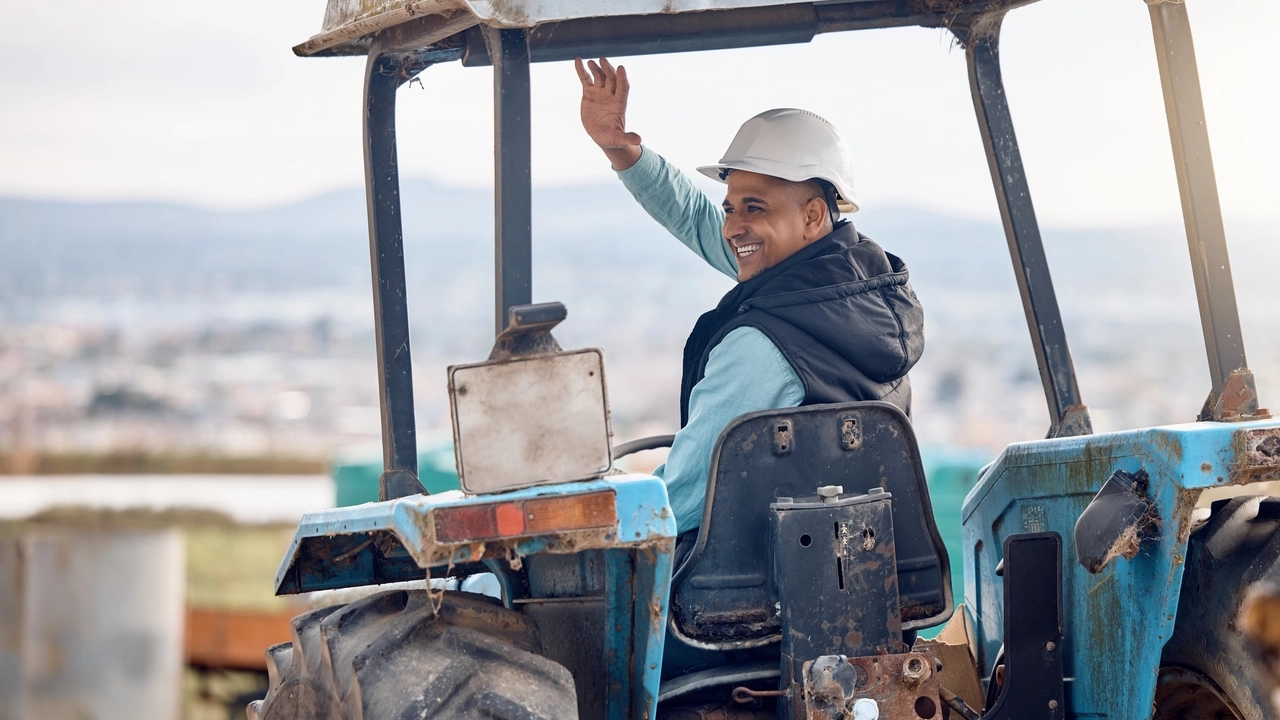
<point x="604" y="110"/>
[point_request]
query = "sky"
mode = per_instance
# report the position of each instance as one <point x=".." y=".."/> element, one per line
<point x="205" y="104"/>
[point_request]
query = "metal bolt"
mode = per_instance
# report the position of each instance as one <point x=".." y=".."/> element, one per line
<point x="1050" y="646"/>
<point x="1053" y="704"/>
<point x="914" y="671"/>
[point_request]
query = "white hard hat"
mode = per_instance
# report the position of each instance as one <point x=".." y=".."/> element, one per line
<point x="794" y="145"/>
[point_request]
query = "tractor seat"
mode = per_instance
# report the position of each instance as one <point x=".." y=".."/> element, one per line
<point x="723" y="596"/>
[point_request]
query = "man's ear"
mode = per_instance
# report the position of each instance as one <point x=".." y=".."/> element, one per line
<point x="816" y="216"/>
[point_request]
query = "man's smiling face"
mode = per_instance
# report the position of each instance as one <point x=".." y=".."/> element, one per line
<point x="767" y="219"/>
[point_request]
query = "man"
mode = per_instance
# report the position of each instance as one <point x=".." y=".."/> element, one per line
<point x="821" y="314"/>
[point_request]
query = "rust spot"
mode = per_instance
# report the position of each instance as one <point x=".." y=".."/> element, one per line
<point x="1206" y="467"/>
<point x="1238" y="399"/>
<point x="1257" y="455"/>
<point x="897" y="682"/>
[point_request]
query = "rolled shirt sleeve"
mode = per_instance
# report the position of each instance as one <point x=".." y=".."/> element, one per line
<point x="671" y="198"/>
<point x="745" y="373"/>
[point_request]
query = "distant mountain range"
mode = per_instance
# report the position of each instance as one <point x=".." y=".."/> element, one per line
<point x="592" y="234"/>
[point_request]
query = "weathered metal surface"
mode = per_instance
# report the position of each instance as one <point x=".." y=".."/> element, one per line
<point x="1115" y="622"/>
<point x="1258" y="453"/>
<point x="387" y="541"/>
<point x="823" y="690"/>
<point x="722" y="599"/>
<point x="1117" y="522"/>
<point x="530" y="420"/>
<point x="350" y="547"/>
<point x="532" y="414"/>
<point x="602" y="615"/>
<point x="837" y="579"/>
<point x="383" y="76"/>
<point x="1067" y="412"/>
<point x="1030" y="678"/>
<point x="513" y="183"/>
<point x="745" y="695"/>
<point x="903" y="685"/>
<point x="527" y="331"/>
<point x="1236" y="400"/>
<point x="655" y="25"/>
<point x="1232" y="394"/>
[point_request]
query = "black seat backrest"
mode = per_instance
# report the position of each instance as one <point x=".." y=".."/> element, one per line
<point x="723" y="596"/>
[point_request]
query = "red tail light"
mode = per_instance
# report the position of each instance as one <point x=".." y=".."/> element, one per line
<point x="537" y="516"/>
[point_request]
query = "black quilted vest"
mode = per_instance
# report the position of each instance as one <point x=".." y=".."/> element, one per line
<point x="841" y="311"/>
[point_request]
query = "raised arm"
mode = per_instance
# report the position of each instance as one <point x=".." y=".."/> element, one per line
<point x="661" y="189"/>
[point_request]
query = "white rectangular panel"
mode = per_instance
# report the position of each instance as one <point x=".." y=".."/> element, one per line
<point x="530" y="421"/>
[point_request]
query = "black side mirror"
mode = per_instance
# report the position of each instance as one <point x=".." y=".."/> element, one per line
<point x="1117" y="521"/>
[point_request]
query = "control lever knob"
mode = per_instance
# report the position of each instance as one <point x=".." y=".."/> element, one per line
<point x="830" y="492"/>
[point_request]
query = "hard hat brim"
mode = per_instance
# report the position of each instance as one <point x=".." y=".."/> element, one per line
<point x="846" y="201"/>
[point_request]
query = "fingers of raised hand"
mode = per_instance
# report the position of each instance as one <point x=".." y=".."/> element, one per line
<point x="610" y="76"/>
<point x="624" y="85"/>
<point x="582" y="73"/>
<point x="597" y="74"/>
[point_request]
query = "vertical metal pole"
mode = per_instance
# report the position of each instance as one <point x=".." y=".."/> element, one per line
<point x="1233" y="393"/>
<point x="1057" y="373"/>
<point x="383" y="76"/>
<point x="513" y="194"/>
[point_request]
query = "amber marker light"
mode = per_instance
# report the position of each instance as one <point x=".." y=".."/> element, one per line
<point x="537" y="516"/>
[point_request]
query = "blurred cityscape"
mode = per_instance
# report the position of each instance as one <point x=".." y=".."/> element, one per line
<point x="130" y="330"/>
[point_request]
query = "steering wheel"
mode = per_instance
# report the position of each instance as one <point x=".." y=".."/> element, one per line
<point x="647" y="443"/>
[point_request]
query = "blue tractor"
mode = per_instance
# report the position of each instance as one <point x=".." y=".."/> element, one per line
<point x="1095" y="587"/>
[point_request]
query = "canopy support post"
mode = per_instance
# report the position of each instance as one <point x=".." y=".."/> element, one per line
<point x="1233" y="394"/>
<point x="384" y="74"/>
<point x="1067" y="412"/>
<point x="513" y="193"/>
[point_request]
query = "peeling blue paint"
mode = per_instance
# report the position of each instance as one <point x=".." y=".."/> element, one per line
<point x="335" y="549"/>
<point x="1116" y="622"/>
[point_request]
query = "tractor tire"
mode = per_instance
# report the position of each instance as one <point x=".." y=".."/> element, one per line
<point x="1205" y="670"/>
<point x="399" y="655"/>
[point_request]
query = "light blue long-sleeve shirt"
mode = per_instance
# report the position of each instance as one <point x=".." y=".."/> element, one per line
<point x="745" y="372"/>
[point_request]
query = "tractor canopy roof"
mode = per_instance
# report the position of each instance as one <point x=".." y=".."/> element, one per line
<point x="563" y="29"/>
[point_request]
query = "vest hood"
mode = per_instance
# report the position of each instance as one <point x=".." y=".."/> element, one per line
<point x="861" y="305"/>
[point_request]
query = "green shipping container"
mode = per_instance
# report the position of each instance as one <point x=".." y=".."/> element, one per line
<point x="355" y="474"/>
